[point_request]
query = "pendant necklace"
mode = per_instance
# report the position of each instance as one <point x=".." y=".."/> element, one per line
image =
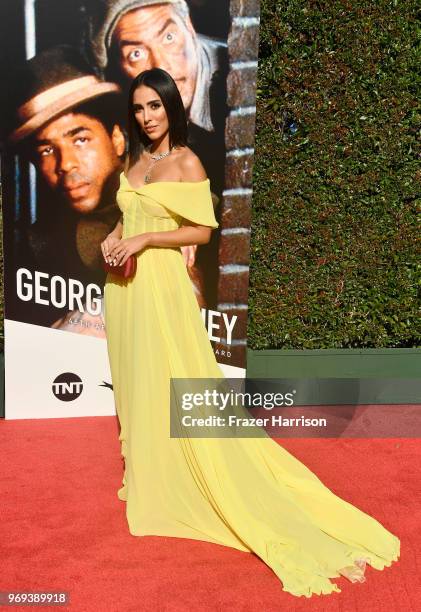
<point x="154" y="159"/>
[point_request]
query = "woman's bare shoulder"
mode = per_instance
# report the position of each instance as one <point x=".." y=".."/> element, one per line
<point x="191" y="168"/>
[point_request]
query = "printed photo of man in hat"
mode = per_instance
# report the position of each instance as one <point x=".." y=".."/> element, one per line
<point x="67" y="126"/>
<point x="126" y="37"/>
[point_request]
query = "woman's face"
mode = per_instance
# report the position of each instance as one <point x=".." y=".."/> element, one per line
<point x="150" y="112"/>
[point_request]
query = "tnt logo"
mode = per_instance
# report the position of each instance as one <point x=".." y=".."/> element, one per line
<point x="67" y="387"/>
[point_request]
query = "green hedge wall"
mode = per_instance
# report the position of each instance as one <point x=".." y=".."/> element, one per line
<point x="335" y="246"/>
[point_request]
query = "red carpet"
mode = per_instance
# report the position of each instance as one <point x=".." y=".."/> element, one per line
<point x="64" y="527"/>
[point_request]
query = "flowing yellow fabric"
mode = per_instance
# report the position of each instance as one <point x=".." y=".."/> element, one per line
<point x="246" y="493"/>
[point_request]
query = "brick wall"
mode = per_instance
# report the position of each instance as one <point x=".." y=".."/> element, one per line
<point x="234" y="244"/>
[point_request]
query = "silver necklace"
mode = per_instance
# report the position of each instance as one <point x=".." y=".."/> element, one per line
<point x="154" y="159"/>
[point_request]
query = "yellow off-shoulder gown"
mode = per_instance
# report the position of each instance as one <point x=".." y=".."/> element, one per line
<point x="246" y="493"/>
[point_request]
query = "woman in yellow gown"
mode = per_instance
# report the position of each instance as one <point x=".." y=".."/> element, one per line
<point x="246" y="493"/>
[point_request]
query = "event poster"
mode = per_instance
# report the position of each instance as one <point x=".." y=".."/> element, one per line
<point x="67" y="67"/>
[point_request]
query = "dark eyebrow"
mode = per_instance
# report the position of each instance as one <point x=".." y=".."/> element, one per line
<point x="126" y="43"/>
<point x="135" y="105"/>
<point x="129" y="43"/>
<point x="76" y="130"/>
<point x="70" y="133"/>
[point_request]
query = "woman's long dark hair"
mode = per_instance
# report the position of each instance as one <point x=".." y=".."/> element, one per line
<point x="165" y="87"/>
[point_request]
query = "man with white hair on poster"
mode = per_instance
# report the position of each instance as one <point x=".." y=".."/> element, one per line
<point x="128" y="36"/>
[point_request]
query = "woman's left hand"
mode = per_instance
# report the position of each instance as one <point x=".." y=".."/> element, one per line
<point x="120" y="253"/>
<point x="189" y="254"/>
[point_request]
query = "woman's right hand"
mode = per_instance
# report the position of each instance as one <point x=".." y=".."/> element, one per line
<point x="108" y="244"/>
